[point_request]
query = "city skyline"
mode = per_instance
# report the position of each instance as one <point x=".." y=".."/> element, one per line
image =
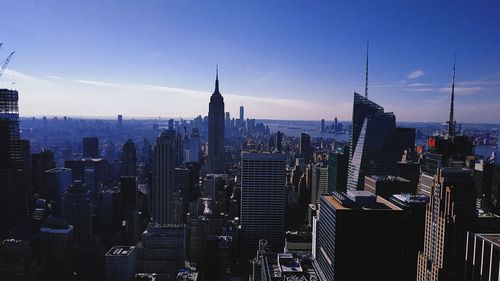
<point x="281" y="61"/>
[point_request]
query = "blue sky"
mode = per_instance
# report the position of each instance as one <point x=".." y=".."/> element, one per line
<point x="281" y="59"/>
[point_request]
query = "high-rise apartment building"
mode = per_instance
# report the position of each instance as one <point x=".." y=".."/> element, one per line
<point x="216" y="154"/>
<point x="263" y="179"/>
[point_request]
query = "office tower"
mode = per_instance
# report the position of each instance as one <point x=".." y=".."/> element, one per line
<point x="77" y="210"/>
<point x="194" y="146"/>
<point x="335" y="125"/>
<point x="129" y="159"/>
<point x="13" y="205"/>
<point x="215" y="159"/>
<point x="163" y="178"/>
<point x="374" y="151"/>
<point x="205" y="224"/>
<point x="322" y="127"/>
<point x="162" y="251"/>
<point x="212" y="184"/>
<point x="120" y="263"/>
<point x="219" y="257"/>
<point x="449" y="215"/>
<point x="482" y="256"/>
<point x="128" y="187"/>
<point x="57" y="181"/>
<point x="56" y="247"/>
<point x="109" y="211"/>
<point x="338" y="161"/>
<point x="182" y="184"/>
<point x="409" y="170"/>
<point x="487" y="182"/>
<point x="90" y="147"/>
<point x="263" y="179"/>
<point x="120" y="121"/>
<point x="358" y="237"/>
<point x="279" y="140"/>
<point x="171" y="124"/>
<point x="41" y="162"/>
<point x="451" y="210"/>
<point x="404" y="140"/>
<point x="17" y="261"/>
<point x="305" y="149"/>
<point x="242" y="116"/>
<point x="362" y="107"/>
<point x="100" y="167"/>
<point x="319" y="184"/>
<point x="386" y="186"/>
<point x="228" y="120"/>
<point x="413" y="230"/>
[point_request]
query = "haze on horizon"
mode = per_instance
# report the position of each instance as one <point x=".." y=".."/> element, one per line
<point x="296" y="60"/>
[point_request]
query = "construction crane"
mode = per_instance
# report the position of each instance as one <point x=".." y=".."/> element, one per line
<point x="4" y="66"/>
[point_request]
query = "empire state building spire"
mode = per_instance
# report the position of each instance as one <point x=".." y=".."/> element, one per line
<point x="451" y="122"/>
<point x="216" y="80"/>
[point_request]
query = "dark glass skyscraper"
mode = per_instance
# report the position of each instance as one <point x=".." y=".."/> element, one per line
<point x="129" y="159"/>
<point x="90" y="147"/>
<point x="13" y="214"/>
<point x="216" y="130"/>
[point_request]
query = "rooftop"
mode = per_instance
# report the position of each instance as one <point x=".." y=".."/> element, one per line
<point x="120" y="251"/>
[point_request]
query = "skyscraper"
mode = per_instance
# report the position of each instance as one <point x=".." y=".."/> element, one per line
<point x="163" y="178"/>
<point x="337" y="169"/>
<point x="374" y="151"/>
<point x="319" y="183"/>
<point x="242" y="116"/>
<point x="358" y="237"/>
<point x="215" y="159"/>
<point x="305" y="147"/>
<point x="13" y="206"/>
<point x="263" y="179"/>
<point x="57" y="181"/>
<point x="129" y="159"/>
<point x="451" y="210"/>
<point x="57" y="246"/>
<point x="279" y="139"/>
<point x="194" y="146"/>
<point x="77" y="210"/>
<point x="120" y="263"/>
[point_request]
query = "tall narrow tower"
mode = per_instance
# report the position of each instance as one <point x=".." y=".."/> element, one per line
<point x="163" y="178"/>
<point x="215" y="161"/>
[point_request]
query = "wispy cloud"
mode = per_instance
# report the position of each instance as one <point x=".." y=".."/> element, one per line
<point x="92" y="82"/>
<point x="464" y="91"/>
<point x="415" y="74"/>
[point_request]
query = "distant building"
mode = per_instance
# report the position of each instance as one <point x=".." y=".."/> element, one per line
<point x="129" y="159"/>
<point x="128" y="187"/>
<point x="279" y="140"/>
<point x="322" y="127"/>
<point x="120" y="121"/>
<point x="263" y="181"/>
<point x="305" y="149"/>
<point x="319" y="185"/>
<point x="41" y="162"/>
<point x="90" y="147"/>
<point x="215" y="161"/>
<point x="120" y="263"/>
<point x="338" y="162"/>
<point x="358" y="228"/>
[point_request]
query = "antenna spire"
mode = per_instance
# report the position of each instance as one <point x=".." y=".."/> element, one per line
<point x="366" y="71"/>
<point x="451" y="122"/>
<point x="216" y="78"/>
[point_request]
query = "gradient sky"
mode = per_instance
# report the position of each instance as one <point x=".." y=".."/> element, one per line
<point x="281" y="59"/>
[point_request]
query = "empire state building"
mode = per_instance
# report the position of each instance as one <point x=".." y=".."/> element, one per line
<point x="215" y="161"/>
